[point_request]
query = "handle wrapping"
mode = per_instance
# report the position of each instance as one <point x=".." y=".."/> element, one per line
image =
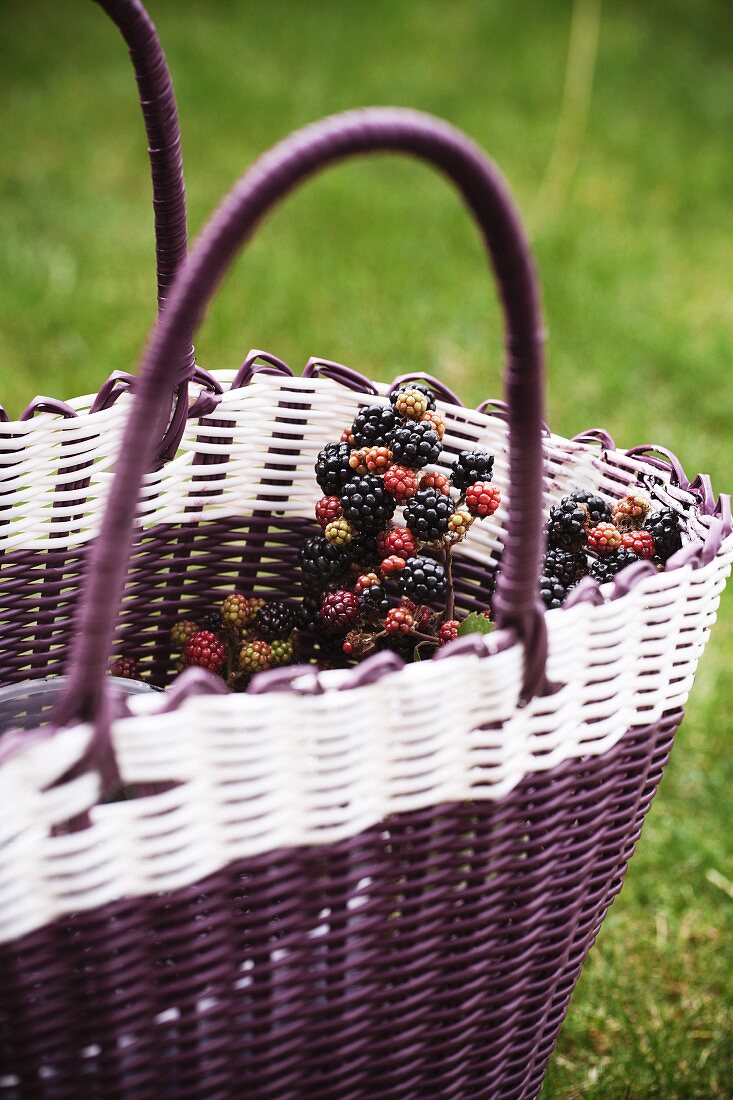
<point x="269" y="180"/>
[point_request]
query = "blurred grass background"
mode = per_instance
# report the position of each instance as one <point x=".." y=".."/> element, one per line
<point x="628" y="198"/>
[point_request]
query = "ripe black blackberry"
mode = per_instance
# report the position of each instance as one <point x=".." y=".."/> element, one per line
<point x="664" y="527"/>
<point x="471" y="466"/>
<point x="553" y="592"/>
<point x="366" y="502"/>
<point x="415" y="386"/>
<point x="212" y="621"/>
<point x="308" y="615"/>
<point x="363" y="548"/>
<point x="566" y="526"/>
<point x="320" y="561"/>
<point x="373" y="600"/>
<point x="275" y="620"/>
<point x="427" y="514"/>
<point x="414" y="445"/>
<point x="422" y="579"/>
<point x="373" y="425"/>
<point x="598" y="510"/>
<point x="332" y="468"/>
<point x="606" y="567"/>
<point x="564" y="565"/>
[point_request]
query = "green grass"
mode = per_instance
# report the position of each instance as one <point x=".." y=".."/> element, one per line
<point x="376" y="264"/>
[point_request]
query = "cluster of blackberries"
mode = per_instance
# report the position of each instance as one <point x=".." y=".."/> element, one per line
<point x="588" y="537"/>
<point x="240" y="637"/>
<point x="370" y="580"/>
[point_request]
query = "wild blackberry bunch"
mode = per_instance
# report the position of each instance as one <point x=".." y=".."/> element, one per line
<point x="606" y="568"/>
<point x="566" y="526"/>
<point x="414" y="445"/>
<point x="598" y="510"/>
<point x="422" y="579"/>
<point x="564" y="566"/>
<point x="427" y="393"/>
<point x="372" y="425"/>
<point x="276" y="620"/>
<point x="427" y="514"/>
<point x="366" y="502"/>
<point x="333" y="469"/>
<point x="471" y="466"/>
<point x="320" y="561"/>
<point x="664" y="527"/>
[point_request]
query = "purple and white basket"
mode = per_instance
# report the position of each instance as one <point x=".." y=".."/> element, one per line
<point x="377" y="882"/>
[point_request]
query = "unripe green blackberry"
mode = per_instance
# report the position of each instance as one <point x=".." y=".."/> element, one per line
<point x="255" y="657"/>
<point x="282" y="651"/>
<point x="340" y="532"/>
<point x="236" y="611"/>
<point x="181" y="632"/>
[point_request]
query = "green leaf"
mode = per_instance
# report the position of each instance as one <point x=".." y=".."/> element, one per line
<point x="475" y="624"/>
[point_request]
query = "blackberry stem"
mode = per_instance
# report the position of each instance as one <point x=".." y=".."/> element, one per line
<point x="450" y="596"/>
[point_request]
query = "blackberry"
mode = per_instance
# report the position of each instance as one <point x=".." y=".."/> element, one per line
<point x="308" y="615"/>
<point x="552" y="592"/>
<point x="373" y="425"/>
<point x="339" y="610"/>
<point x="282" y="652"/>
<point x="362" y="548"/>
<point x="664" y="527"/>
<point x="605" y="568"/>
<point x="566" y="526"/>
<point x="448" y="631"/>
<point x="333" y="469"/>
<point x="564" y="565"/>
<point x="275" y="620"/>
<point x="373" y="599"/>
<point x="204" y="650"/>
<point x="427" y="514"/>
<point x="471" y="466"/>
<point x="319" y="560"/>
<point x="255" y="657"/>
<point x="126" y="668"/>
<point x="420" y="387"/>
<point x="598" y="510"/>
<point x="414" y="445"/>
<point x="212" y="621"/>
<point x="422" y="579"/>
<point x="366" y="502"/>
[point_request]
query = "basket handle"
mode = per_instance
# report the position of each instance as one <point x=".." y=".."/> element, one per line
<point x="268" y="180"/>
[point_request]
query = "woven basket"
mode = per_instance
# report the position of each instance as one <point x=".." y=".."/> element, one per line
<point x="376" y="882"/>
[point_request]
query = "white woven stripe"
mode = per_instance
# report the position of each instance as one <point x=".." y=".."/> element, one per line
<point x="43" y="459"/>
<point x="257" y="773"/>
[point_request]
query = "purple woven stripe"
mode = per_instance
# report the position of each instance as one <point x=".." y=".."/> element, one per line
<point x="433" y="955"/>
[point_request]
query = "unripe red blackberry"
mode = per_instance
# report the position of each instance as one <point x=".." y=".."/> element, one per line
<point x="398" y="541"/>
<point x="181" y="632"/>
<point x="641" y="542"/>
<point x="391" y="565"/>
<point x="398" y="620"/>
<point x="236" y="611"/>
<point x="357" y="461"/>
<point x="411" y="403"/>
<point x="604" y="538"/>
<point x="448" y="631"/>
<point x="339" y="610"/>
<point x="366" y="580"/>
<point x="483" y="498"/>
<point x="255" y="657"/>
<point x="347" y="436"/>
<point x="433" y="479"/>
<point x="401" y="482"/>
<point x="204" y="650"/>
<point x="436" y="422"/>
<point x="340" y="532"/>
<point x="378" y="460"/>
<point x="327" y="510"/>
<point x="126" y="668"/>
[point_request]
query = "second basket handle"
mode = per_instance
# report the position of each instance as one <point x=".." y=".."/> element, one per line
<point x="270" y="178"/>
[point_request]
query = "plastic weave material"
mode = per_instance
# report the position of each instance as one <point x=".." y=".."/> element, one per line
<point x="376" y="882"/>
